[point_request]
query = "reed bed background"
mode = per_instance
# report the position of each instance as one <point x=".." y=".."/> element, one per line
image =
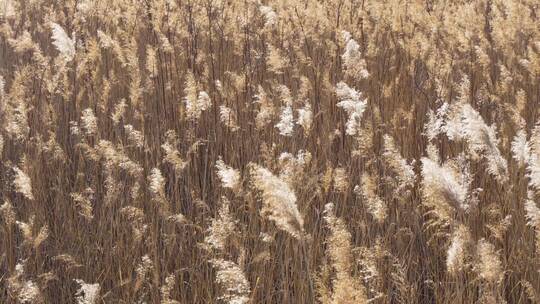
<point x="280" y="151"/>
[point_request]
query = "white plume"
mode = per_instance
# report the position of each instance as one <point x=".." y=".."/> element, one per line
<point x="62" y="42"/>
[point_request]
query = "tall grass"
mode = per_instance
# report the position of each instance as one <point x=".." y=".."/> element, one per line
<point x="273" y="151"/>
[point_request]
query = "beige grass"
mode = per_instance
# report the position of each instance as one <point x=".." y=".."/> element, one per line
<point x="272" y="151"/>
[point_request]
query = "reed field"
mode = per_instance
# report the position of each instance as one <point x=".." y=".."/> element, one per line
<point x="269" y="151"/>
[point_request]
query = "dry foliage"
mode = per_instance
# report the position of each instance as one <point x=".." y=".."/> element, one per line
<point x="269" y="151"/>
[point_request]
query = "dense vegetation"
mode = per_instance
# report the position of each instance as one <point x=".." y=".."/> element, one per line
<point x="270" y="151"/>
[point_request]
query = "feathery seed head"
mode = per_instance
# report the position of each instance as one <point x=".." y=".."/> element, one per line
<point x="230" y="177"/>
<point x="279" y="201"/>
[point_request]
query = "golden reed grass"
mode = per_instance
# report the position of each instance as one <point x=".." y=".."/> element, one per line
<point x="269" y="151"/>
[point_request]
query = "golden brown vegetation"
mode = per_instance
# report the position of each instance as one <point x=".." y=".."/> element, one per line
<point x="269" y="151"/>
